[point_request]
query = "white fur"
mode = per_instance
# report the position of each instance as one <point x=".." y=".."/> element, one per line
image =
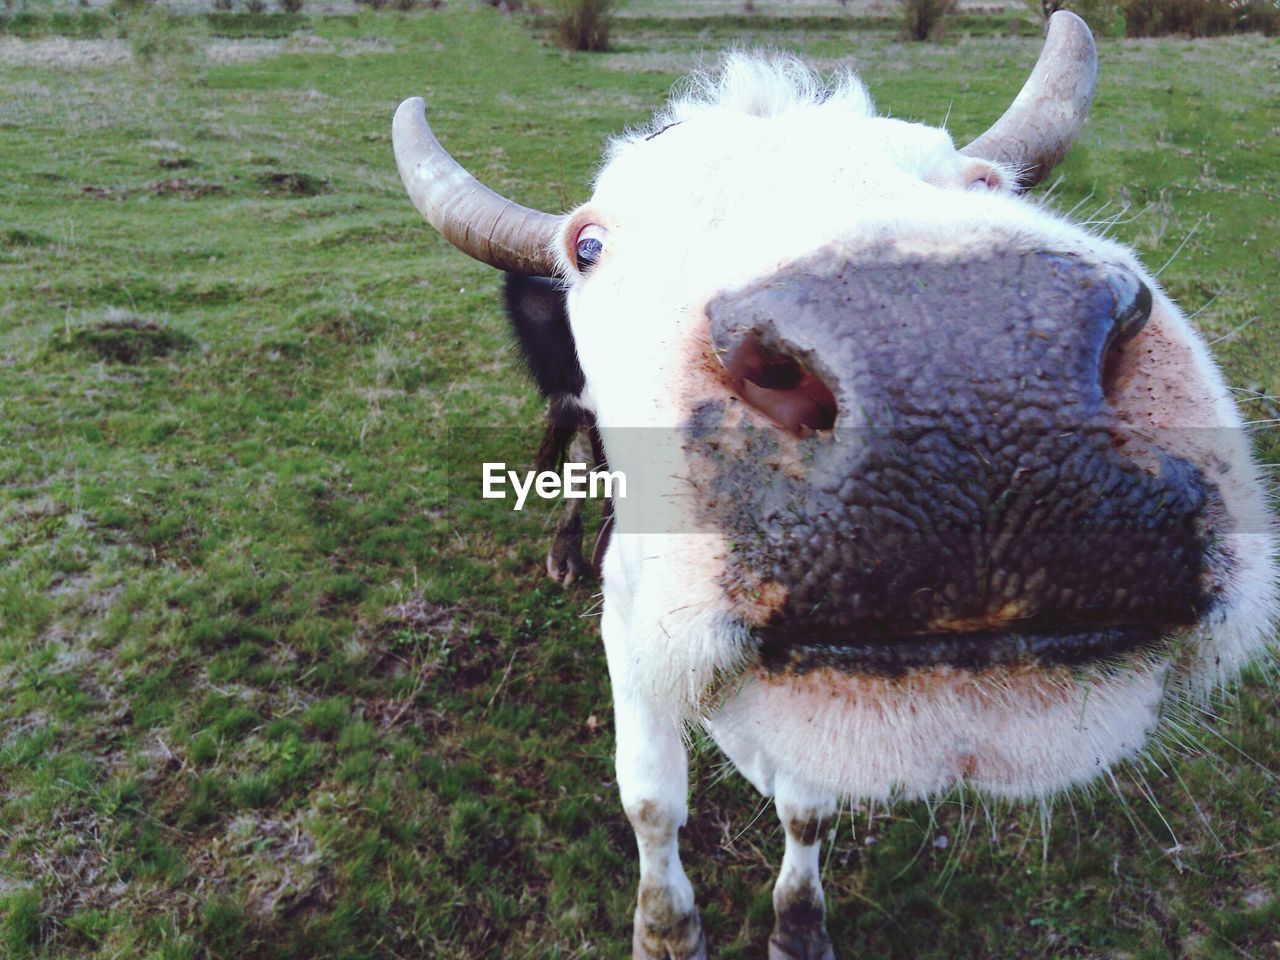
<point x="745" y="172"/>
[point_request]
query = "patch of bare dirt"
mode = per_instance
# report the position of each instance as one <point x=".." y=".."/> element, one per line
<point x="286" y="184"/>
<point x="100" y="192"/>
<point x="185" y="188"/>
<point x="122" y="337"/>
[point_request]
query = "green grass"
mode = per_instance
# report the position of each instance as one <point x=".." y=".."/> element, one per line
<point x="270" y="690"/>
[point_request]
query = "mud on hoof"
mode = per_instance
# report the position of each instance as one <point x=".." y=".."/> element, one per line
<point x="565" y="563"/>
<point x="681" y="939"/>
<point x="814" y="945"/>
<point x="800" y="932"/>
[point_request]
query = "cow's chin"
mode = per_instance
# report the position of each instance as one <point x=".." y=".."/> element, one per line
<point x="1009" y="731"/>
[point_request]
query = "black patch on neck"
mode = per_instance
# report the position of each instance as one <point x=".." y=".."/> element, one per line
<point x="540" y="322"/>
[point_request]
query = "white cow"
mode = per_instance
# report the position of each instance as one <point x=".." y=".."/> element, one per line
<point x="928" y="485"/>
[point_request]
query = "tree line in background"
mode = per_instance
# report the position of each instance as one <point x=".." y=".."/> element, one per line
<point x="259" y="6"/>
<point x="1153" y="18"/>
<point x="577" y="24"/>
<point x="926" y="19"/>
<point x="587" y="24"/>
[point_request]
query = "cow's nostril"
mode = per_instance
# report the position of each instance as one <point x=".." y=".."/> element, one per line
<point x="1132" y="309"/>
<point x="780" y="387"/>
<point x="1133" y="304"/>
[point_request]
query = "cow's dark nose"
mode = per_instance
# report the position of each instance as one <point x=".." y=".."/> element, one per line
<point x="959" y="467"/>
<point x="775" y="343"/>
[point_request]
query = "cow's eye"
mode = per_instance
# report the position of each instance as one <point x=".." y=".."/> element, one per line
<point x="589" y="246"/>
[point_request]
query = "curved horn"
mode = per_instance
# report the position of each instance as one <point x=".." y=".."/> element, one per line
<point x="1046" y="116"/>
<point x="479" y="222"/>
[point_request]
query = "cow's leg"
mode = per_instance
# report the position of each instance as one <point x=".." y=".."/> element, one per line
<point x="653" y="780"/>
<point x="565" y="562"/>
<point x="800" y="928"/>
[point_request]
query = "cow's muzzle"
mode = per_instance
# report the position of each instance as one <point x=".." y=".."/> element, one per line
<point x="929" y="469"/>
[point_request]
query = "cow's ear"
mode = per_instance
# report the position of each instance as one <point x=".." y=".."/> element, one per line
<point x="540" y="322"/>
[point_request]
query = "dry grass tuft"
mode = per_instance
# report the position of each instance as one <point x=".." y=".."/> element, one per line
<point x="583" y="24"/>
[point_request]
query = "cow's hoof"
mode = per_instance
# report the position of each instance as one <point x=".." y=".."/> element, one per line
<point x="812" y="944"/>
<point x="681" y="939"/>
<point x="565" y="562"/>
<point x="566" y="567"/>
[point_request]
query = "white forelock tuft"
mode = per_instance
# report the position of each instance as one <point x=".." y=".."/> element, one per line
<point x="768" y="85"/>
<point x="758" y="84"/>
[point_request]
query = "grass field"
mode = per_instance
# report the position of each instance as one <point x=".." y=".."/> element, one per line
<point x="268" y="691"/>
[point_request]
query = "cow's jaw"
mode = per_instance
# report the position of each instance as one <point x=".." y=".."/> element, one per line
<point x="1015" y="731"/>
